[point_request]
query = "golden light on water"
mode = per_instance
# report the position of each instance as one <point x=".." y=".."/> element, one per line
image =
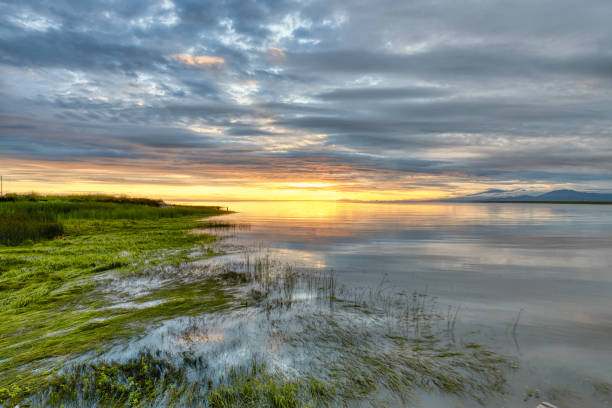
<point x="335" y="210"/>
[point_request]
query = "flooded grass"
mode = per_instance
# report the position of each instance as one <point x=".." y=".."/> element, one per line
<point x="152" y="380"/>
<point x="288" y="338"/>
<point x="373" y="343"/>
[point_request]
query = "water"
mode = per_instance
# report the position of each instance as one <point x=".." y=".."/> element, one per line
<point x="551" y="263"/>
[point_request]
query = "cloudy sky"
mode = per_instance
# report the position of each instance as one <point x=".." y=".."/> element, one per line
<point x="399" y="99"/>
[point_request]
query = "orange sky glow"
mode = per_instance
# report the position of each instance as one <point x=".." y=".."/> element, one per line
<point x="210" y="183"/>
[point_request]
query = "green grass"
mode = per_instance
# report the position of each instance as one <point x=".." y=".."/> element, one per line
<point x="89" y="198"/>
<point x="20" y="227"/>
<point x="151" y="380"/>
<point x="33" y="218"/>
<point x="50" y="305"/>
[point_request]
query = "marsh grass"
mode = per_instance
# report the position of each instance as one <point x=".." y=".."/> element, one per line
<point x="32" y="218"/>
<point x="20" y="227"/>
<point x="34" y="197"/>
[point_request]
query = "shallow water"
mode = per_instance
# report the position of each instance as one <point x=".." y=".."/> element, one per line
<point x="552" y="263"/>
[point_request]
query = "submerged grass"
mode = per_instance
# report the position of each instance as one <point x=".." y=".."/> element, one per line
<point x="355" y="358"/>
<point x="370" y="347"/>
<point x="159" y="379"/>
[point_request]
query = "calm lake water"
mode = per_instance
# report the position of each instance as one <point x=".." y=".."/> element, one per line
<point x="550" y="263"/>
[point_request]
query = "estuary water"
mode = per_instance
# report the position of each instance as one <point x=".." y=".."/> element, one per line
<point x="532" y="280"/>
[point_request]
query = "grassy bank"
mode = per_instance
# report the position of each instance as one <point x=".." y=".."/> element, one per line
<point x="33" y="218"/>
<point x="51" y="306"/>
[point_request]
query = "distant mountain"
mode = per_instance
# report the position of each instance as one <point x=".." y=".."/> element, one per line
<point x="553" y="196"/>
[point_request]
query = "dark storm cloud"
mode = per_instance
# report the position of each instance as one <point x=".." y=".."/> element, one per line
<point x="493" y="91"/>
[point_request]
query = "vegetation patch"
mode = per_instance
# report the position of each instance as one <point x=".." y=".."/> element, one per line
<point x="51" y="302"/>
<point x="33" y="218"/>
<point x="20" y="226"/>
<point x="157" y="379"/>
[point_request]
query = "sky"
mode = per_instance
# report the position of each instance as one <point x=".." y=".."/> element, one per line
<point x="356" y="100"/>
